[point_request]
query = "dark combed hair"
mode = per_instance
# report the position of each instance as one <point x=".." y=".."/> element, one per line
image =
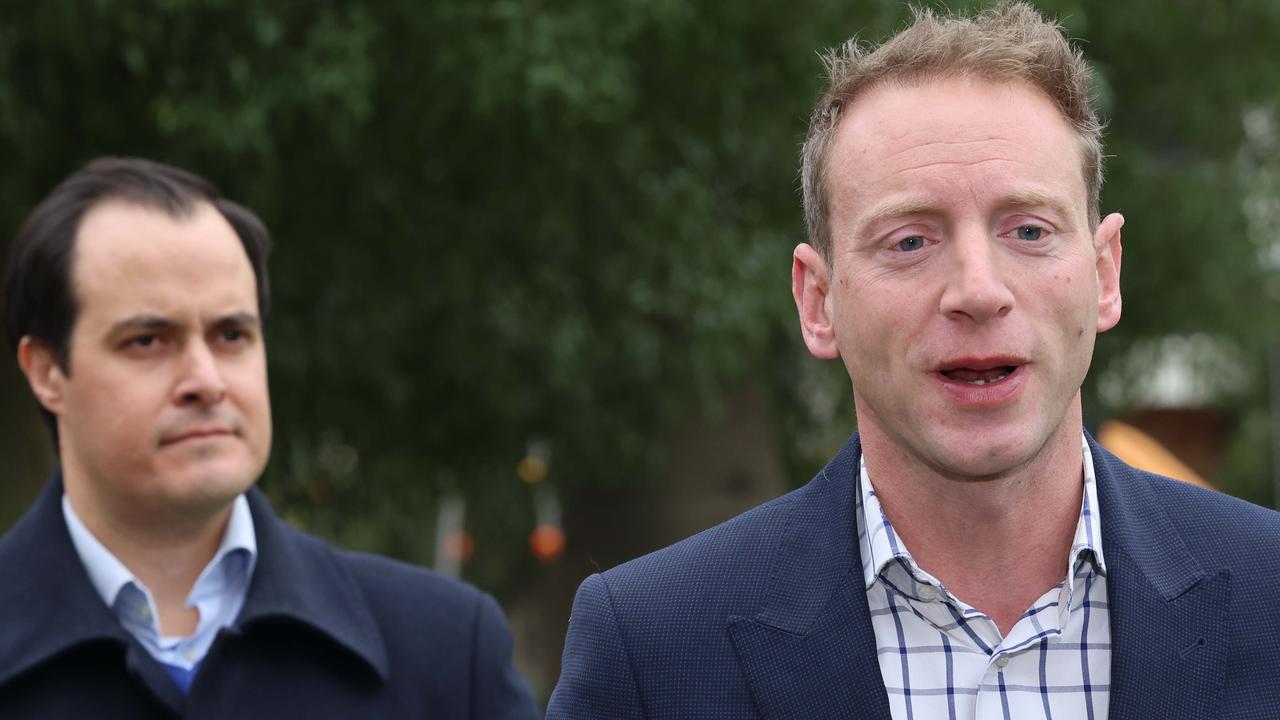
<point x="39" y="301"/>
<point x="38" y="297"/>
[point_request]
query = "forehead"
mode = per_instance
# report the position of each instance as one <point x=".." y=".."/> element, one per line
<point x="130" y="258"/>
<point x="954" y="137"/>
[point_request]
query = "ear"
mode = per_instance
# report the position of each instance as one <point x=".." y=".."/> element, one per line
<point x="810" y="286"/>
<point x="1106" y="243"/>
<point x="47" y="380"/>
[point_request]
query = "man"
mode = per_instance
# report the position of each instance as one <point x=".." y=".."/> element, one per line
<point x="151" y="579"/>
<point x="970" y="553"/>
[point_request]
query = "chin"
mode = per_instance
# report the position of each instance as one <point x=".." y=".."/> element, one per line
<point x="982" y="459"/>
<point x="212" y="483"/>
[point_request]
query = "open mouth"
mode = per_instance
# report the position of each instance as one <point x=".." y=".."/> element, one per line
<point x="972" y="376"/>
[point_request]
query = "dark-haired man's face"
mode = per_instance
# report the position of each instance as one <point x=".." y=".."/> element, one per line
<point x="164" y="412"/>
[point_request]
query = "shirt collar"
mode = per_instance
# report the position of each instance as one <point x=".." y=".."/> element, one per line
<point x="239" y="535"/>
<point x="297" y="579"/>
<point x="880" y="544"/>
<point x="1089" y="529"/>
<point x="109" y="576"/>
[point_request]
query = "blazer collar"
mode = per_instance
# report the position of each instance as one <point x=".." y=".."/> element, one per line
<point x="1170" y="615"/>
<point x="42" y="581"/>
<point x="810" y="651"/>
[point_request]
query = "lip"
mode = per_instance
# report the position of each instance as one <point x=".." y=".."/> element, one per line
<point x="197" y="434"/>
<point x="986" y="362"/>
<point x="992" y="395"/>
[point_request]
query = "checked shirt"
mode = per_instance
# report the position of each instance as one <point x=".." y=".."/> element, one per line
<point x="941" y="658"/>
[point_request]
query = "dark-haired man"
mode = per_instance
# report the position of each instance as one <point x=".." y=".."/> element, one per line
<point x="970" y="553"/>
<point x="151" y="579"/>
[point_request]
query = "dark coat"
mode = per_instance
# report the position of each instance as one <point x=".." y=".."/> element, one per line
<point x="766" y="615"/>
<point x="323" y="634"/>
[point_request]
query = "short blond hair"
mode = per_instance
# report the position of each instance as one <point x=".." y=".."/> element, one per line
<point x="1008" y="42"/>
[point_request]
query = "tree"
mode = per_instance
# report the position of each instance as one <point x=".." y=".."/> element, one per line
<point x="572" y="221"/>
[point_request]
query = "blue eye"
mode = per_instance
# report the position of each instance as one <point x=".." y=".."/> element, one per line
<point x="911" y="244"/>
<point x="1030" y="233"/>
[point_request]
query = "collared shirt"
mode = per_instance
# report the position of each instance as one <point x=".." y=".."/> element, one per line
<point x="941" y="658"/>
<point x="218" y="594"/>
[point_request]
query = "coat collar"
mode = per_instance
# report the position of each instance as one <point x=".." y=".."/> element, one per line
<point x="810" y="651"/>
<point x="43" y="582"/>
<point x="297" y="579"/>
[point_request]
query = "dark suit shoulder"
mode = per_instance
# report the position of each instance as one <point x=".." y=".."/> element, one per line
<point x="1218" y="527"/>
<point x="409" y="602"/>
<point x="653" y="637"/>
<point x="718" y="572"/>
<point x="441" y="635"/>
<point x="385" y="579"/>
<point x="397" y="591"/>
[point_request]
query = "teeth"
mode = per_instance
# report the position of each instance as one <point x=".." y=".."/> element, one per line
<point x="988" y="381"/>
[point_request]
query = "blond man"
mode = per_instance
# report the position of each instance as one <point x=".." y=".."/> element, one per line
<point x="971" y="552"/>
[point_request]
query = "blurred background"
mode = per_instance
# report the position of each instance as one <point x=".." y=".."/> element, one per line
<point x="532" y="310"/>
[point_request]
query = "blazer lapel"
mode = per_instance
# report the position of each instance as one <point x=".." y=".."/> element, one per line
<point x="811" y="651"/>
<point x="1170" y="618"/>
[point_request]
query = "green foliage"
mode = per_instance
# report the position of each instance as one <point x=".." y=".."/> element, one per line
<point x="572" y="220"/>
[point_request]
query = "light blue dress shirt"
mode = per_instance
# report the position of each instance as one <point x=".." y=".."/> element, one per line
<point x="218" y="594"/>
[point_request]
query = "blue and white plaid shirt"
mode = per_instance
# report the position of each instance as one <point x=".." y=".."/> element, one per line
<point x="941" y="658"/>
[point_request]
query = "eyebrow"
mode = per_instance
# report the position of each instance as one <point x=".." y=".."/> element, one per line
<point x="916" y="206"/>
<point x="158" y="322"/>
<point x="241" y="319"/>
<point x="142" y="322"/>
<point x="1033" y="199"/>
<point x="897" y="209"/>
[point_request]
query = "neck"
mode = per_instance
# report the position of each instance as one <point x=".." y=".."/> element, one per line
<point x="998" y="543"/>
<point x="166" y="554"/>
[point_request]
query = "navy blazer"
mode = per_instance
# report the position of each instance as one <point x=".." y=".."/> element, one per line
<point x="766" y="615"/>
<point x="323" y="634"/>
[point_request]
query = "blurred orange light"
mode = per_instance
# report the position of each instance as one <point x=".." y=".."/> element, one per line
<point x="546" y="542"/>
<point x="532" y="470"/>
<point x="459" y="545"/>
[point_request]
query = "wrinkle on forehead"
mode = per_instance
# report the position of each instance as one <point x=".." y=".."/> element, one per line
<point x="966" y="163"/>
<point x="955" y="134"/>
<point x="903" y="152"/>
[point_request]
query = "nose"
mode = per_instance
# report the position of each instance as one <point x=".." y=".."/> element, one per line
<point x="200" y="380"/>
<point x="976" y="287"/>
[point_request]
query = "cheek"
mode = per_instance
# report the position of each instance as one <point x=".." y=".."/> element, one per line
<point x="872" y="339"/>
<point x="251" y="385"/>
<point x="112" y="400"/>
<point x="1076" y="298"/>
<point x="247" y="386"/>
<point x="113" y="425"/>
<point x="869" y="303"/>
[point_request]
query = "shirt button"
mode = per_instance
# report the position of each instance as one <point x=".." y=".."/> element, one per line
<point x="1001" y="661"/>
<point x="928" y="593"/>
<point x="191" y="655"/>
<point x="144" y="613"/>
